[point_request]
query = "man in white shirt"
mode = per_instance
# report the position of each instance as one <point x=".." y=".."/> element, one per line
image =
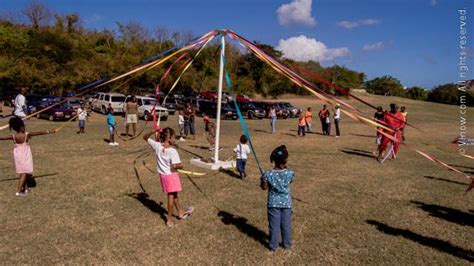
<point x="337" y="116"/>
<point x="20" y="104"/>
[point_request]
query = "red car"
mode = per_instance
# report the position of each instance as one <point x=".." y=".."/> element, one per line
<point x="209" y="95"/>
<point x="60" y="112"/>
<point x="243" y="98"/>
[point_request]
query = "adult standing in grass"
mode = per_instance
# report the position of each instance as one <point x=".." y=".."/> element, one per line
<point x="20" y="110"/>
<point x="190" y="119"/>
<point x="308" y="115"/>
<point x="325" y="120"/>
<point x="337" y="117"/>
<point x="405" y="116"/>
<point x="273" y="118"/>
<point x="379" y="118"/>
<point x="394" y="120"/>
<point x="131" y="111"/>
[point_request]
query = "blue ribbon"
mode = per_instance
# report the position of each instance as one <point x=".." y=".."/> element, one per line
<point x="239" y="114"/>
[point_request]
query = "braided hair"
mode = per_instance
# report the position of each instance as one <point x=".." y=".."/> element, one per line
<point x="279" y="155"/>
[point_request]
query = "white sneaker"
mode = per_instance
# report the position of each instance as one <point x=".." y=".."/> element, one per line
<point x="182" y="139"/>
<point x="20" y="194"/>
<point x="116" y="144"/>
<point x="27" y="190"/>
<point x="111" y="143"/>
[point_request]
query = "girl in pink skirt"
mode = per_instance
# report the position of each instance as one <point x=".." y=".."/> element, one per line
<point x="22" y="152"/>
<point x="168" y="162"/>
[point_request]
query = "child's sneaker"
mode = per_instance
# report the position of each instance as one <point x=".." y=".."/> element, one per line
<point x="20" y="194"/>
<point x="116" y="144"/>
<point x="111" y="143"/>
<point x="27" y="190"/>
<point x="182" y="139"/>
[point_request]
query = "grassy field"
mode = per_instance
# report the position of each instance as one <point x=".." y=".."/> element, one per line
<point x="98" y="204"/>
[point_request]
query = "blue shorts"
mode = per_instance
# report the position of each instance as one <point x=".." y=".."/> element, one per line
<point x="82" y="123"/>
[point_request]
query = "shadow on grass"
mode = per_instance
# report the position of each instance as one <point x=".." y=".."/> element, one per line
<point x="358" y="153"/>
<point x="230" y="173"/>
<point x="30" y="176"/>
<point x="445" y="180"/>
<point x="106" y="140"/>
<point x="242" y="224"/>
<point x="289" y="134"/>
<point x="310" y="132"/>
<point x="447" y="214"/>
<point x="455" y="165"/>
<point x="362" y="135"/>
<point x="263" y="131"/>
<point x="440" y="245"/>
<point x="199" y="147"/>
<point x="188" y="151"/>
<point x="152" y="205"/>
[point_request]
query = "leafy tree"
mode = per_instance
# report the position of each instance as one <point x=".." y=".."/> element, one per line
<point x="386" y="85"/>
<point x="450" y="94"/>
<point x="417" y="93"/>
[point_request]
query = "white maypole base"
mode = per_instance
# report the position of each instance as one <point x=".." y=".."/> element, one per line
<point x="213" y="165"/>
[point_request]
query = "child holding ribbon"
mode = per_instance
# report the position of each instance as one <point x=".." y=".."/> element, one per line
<point x="22" y="152"/>
<point x="277" y="181"/>
<point x="168" y="162"/>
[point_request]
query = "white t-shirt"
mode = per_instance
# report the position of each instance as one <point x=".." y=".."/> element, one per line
<point x="165" y="157"/>
<point x="337" y="113"/>
<point x="242" y="150"/>
<point x="82" y="114"/>
<point x="181" y="119"/>
<point x="20" y="103"/>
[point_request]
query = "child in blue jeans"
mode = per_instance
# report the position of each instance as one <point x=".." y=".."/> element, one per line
<point x="278" y="181"/>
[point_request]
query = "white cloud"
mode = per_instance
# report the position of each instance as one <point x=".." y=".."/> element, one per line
<point x="373" y="46"/>
<point x="356" y="23"/>
<point x="302" y="48"/>
<point x="296" y="12"/>
<point x="433" y="2"/>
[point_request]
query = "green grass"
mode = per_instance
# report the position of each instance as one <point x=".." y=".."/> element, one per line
<point x="88" y="206"/>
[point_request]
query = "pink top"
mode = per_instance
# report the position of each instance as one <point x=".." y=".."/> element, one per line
<point x="22" y="156"/>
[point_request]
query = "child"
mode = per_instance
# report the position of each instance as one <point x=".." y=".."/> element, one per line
<point x="242" y="150"/>
<point x="168" y="161"/>
<point x="278" y="181"/>
<point x="181" y="124"/>
<point x="301" y="125"/>
<point x="22" y="152"/>
<point x="82" y="116"/>
<point x="210" y="128"/>
<point x="111" y="125"/>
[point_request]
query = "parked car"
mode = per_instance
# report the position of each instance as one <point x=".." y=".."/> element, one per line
<point x="170" y="104"/>
<point x="145" y="107"/>
<point x="213" y="95"/>
<point x="60" y="112"/>
<point x="281" y="113"/>
<point x="294" y="111"/>
<point x="210" y="108"/>
<point x="74" y="102"/>
<point x="243" y="98"/>
<point x="101" y="101"/>
<point x="249" y="110"/>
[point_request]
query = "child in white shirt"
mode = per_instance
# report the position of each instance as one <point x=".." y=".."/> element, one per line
<point x="242" y="149"/>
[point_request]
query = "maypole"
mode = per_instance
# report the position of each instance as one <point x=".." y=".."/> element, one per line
<point x="216" y="164"/>
<point x="219" y="99"/>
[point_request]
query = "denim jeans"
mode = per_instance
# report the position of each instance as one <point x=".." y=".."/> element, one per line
<point x="309" y="128"/>
<point x="301" y="130"/>
<point x="279" y="219"/>
<point x="273" y="123"/>
<point x="241" y="167"/>
<point x="336" y="123"/>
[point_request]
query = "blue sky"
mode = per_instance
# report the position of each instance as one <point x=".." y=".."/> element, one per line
<point x="416" y="41"/>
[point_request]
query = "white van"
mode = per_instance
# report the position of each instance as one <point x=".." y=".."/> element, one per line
<point x="145" y="107"/>
<point x="101" y="101"/>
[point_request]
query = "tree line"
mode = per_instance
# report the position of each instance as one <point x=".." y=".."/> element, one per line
<point x="52" y="53"/>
